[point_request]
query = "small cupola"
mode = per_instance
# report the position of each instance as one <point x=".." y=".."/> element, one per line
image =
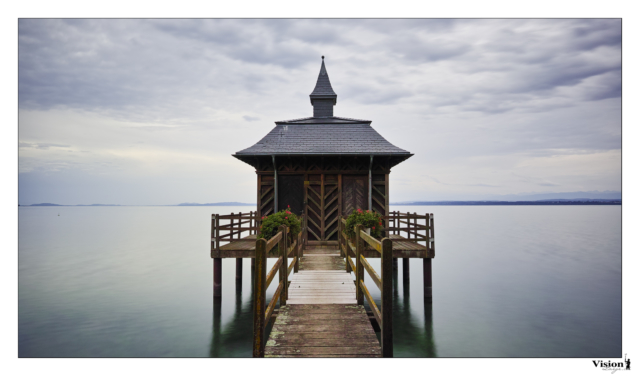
<point x="323" y="98"/>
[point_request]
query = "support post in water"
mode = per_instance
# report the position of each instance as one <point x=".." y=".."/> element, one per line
<point x="359" y="268"/>
<point x="259" y="289"/>
<point x="386" y="335"/>
<point x="217" y="277"/>
<point x="239" y="269"/>
<point x="405" y="270"/>
<point x="426" y="271"/>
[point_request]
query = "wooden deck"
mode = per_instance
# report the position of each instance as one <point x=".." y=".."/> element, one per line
<point x="247" y="243"/>
<point x="245" y="248"/>
<point x="321" y="317"/>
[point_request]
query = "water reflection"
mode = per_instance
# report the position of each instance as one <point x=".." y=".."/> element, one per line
<point x="412" y="332"/>
<point x="412" y="336"/>
<point x="235" y="339"/>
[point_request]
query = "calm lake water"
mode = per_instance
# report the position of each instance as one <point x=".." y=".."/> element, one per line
<point x="508" y="281"/>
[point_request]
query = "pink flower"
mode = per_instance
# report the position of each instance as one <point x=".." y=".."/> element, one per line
<point x="286" y="217"/>
<point x="368" y="211"/>
<point x="288" y="206"/>
<point x="373" y="228"/>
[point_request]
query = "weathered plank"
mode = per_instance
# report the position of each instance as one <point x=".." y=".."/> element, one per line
<point x="301" y="320"/>
<point x="321" y="351"/>
<point x="321" y="307"/>
<point x="323" y="316"/>
<point x="324" y="297"/>
<point x="323" y="356"/>
<point x="314" y="335"/>
<point x="323" y="301"/>
<point x="315" y="276"/>
<point x="323" y="342"/>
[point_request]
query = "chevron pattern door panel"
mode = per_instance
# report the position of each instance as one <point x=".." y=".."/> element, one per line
<point x="331" y="209"/>
<point x="354" y="193"/>
<point x="314" y="206"/>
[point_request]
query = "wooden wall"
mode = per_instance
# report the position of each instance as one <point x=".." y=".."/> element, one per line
<point x="332" y="188"/>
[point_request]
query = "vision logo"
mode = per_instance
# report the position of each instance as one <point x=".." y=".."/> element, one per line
<point x="613" y="366"/>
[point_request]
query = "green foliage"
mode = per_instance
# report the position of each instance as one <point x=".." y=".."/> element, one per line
<point x="368" y="219"/>
<point x="271" y="223"/>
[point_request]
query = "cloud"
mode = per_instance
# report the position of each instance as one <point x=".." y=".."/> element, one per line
<point x="250" y="118"/>
<point x="483" y="97"/>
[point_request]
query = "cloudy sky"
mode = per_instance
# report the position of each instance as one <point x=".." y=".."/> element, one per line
<point x="146" y="112"/>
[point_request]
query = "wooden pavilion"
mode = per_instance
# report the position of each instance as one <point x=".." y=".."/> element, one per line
<point x="323" y="166"/>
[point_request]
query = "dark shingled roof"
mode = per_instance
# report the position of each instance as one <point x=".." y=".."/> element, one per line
<point x="354" y="138"/>
<point x="327" y="135"/>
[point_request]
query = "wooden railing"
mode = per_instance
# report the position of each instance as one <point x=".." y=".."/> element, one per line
<point x="413" y="227"/>
<point x="262" y="280"/>
<point x="233" y="229"/>
<point x="384" y="247"/>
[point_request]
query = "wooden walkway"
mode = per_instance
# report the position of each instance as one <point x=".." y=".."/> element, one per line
<point x="321" y="318"/>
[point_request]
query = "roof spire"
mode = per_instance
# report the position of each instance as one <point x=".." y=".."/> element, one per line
<point x="323" y="98"/>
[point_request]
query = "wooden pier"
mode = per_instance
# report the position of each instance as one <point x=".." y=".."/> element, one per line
<point x="321" y="317"/>
<point x="321" y="307"/>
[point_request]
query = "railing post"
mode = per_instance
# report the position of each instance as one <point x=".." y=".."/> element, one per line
<point x="231" y="224"/>
<point x="386" y="335"/>
<point x="340" y="237"/>
<point x="347" y="252"/>
<point x="213" y="233"/>
<point x="217" y="232"/>
<point x="296" y="253"/>
<point x="359" y="268"/>
<point x="259" y="301"/>
<point x="433" y="236"/>
<point x="426" y="262"/>
<point x="282" y="244"/>
<point x="303" y="231"/>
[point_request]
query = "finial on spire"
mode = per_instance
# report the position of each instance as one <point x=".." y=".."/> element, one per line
<point x="323" y="98"/>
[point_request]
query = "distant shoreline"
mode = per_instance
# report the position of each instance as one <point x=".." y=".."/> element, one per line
<point x="419" y="203"/>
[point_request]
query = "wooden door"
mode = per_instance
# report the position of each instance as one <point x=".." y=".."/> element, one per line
<point x="314" y="196"/>
<point x="355" y="193"/>
<point x="323" y="194"/>
<point x="291" y="193"/>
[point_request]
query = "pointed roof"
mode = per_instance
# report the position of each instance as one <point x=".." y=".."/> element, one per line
<point x="323" y="89"/>
<point x="323" y="135"/>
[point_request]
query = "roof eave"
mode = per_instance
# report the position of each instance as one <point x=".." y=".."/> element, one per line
<point x="237" y="155"/>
